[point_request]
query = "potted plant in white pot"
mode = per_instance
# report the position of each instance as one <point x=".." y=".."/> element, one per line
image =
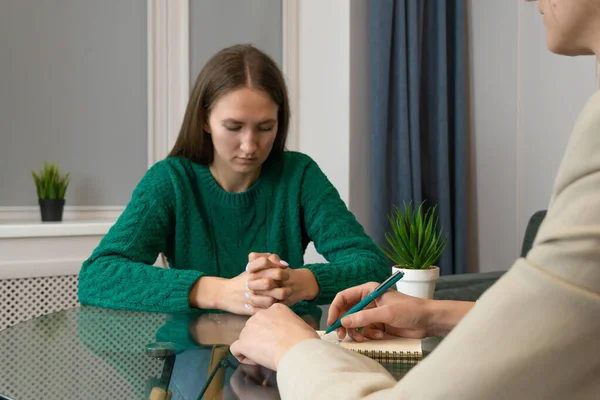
<point x="51" y="188"/>
<point x="415" y="244"/>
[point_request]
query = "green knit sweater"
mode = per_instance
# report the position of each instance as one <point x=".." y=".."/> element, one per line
<point x="179" y="209"/>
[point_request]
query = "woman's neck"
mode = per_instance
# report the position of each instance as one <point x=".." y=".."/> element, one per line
<point x="230" y="181"/>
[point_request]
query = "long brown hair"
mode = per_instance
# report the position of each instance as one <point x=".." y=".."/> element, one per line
<point x="231" y="68"/>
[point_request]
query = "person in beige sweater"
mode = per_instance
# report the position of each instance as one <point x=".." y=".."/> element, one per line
<point x="535" y="334"/>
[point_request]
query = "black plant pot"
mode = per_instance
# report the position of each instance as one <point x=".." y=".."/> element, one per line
<point x="52" y="209"/>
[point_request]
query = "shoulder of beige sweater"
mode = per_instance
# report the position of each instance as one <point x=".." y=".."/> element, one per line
<point x="594" y="104"/>
<point x="567" y="242"/>
<point x="590" y="115"/>
<point x="584" y="142"/>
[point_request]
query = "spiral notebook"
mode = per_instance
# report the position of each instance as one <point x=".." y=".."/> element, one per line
<point x="389" y="350"/>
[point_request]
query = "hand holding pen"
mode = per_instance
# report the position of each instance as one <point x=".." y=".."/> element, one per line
<point x="365" y="301"/>
<point x="391" y="312"/>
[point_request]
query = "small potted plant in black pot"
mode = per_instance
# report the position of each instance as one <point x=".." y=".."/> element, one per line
<point x="51" y="189"/>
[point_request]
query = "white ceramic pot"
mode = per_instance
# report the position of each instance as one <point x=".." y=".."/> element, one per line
<point x="418" y="282"/>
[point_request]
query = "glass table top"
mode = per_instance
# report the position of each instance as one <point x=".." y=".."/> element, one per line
<point x="93" y="353"/>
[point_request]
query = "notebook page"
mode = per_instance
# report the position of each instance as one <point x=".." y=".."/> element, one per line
<point x="388" y="343"/>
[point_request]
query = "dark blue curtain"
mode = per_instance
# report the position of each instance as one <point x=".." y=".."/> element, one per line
<point x="418" y="100"/>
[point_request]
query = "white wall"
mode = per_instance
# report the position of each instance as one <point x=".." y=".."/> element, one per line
<point x="324" y="77"/>
<point x="524" y="101"/>
<point x="332" y="106"/>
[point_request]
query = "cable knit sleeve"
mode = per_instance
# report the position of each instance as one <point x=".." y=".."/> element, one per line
<point x="353" y="257"/>
<point x="119" y="274"/>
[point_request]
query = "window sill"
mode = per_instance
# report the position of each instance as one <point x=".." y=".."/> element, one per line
<point x="37" y="229"/>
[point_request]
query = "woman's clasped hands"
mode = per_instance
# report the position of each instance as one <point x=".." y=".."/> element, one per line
<point x="267" y="281"/>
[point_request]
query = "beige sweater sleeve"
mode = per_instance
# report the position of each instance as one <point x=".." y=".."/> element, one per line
<point x="535" y="334"/>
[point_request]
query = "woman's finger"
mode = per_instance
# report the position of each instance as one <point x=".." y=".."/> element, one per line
<point x="262" y="284"/>
<point x="250" y="309"/>
<point x="253" y="256"/>
<point x="274" y="258"/>
<point x="258" y="301"/>
<point x="277" y="274"/>
<point x="259" y="263"/>
<point x="279" y="293"/>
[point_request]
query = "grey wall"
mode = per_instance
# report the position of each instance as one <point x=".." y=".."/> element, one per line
<point x="73" y="91"/>
<point x="360" y="139"/>
<point x="493" y="39"/>
<point x="215" y="24"/>
<point x="524" y="102"/>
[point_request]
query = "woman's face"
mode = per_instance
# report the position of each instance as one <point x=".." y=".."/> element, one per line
<point x="572" y="26"/>
<point x="243" y="126"/>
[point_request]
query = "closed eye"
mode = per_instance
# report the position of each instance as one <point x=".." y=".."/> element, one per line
<point x="238" y="128"/>
<point x="267" y="128"/>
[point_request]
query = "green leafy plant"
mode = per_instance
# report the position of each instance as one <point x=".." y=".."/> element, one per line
<point x="415" y="242"/>
<point x="50" y="183"/>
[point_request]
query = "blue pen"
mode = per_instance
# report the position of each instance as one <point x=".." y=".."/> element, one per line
<point x="379" y="290"/>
